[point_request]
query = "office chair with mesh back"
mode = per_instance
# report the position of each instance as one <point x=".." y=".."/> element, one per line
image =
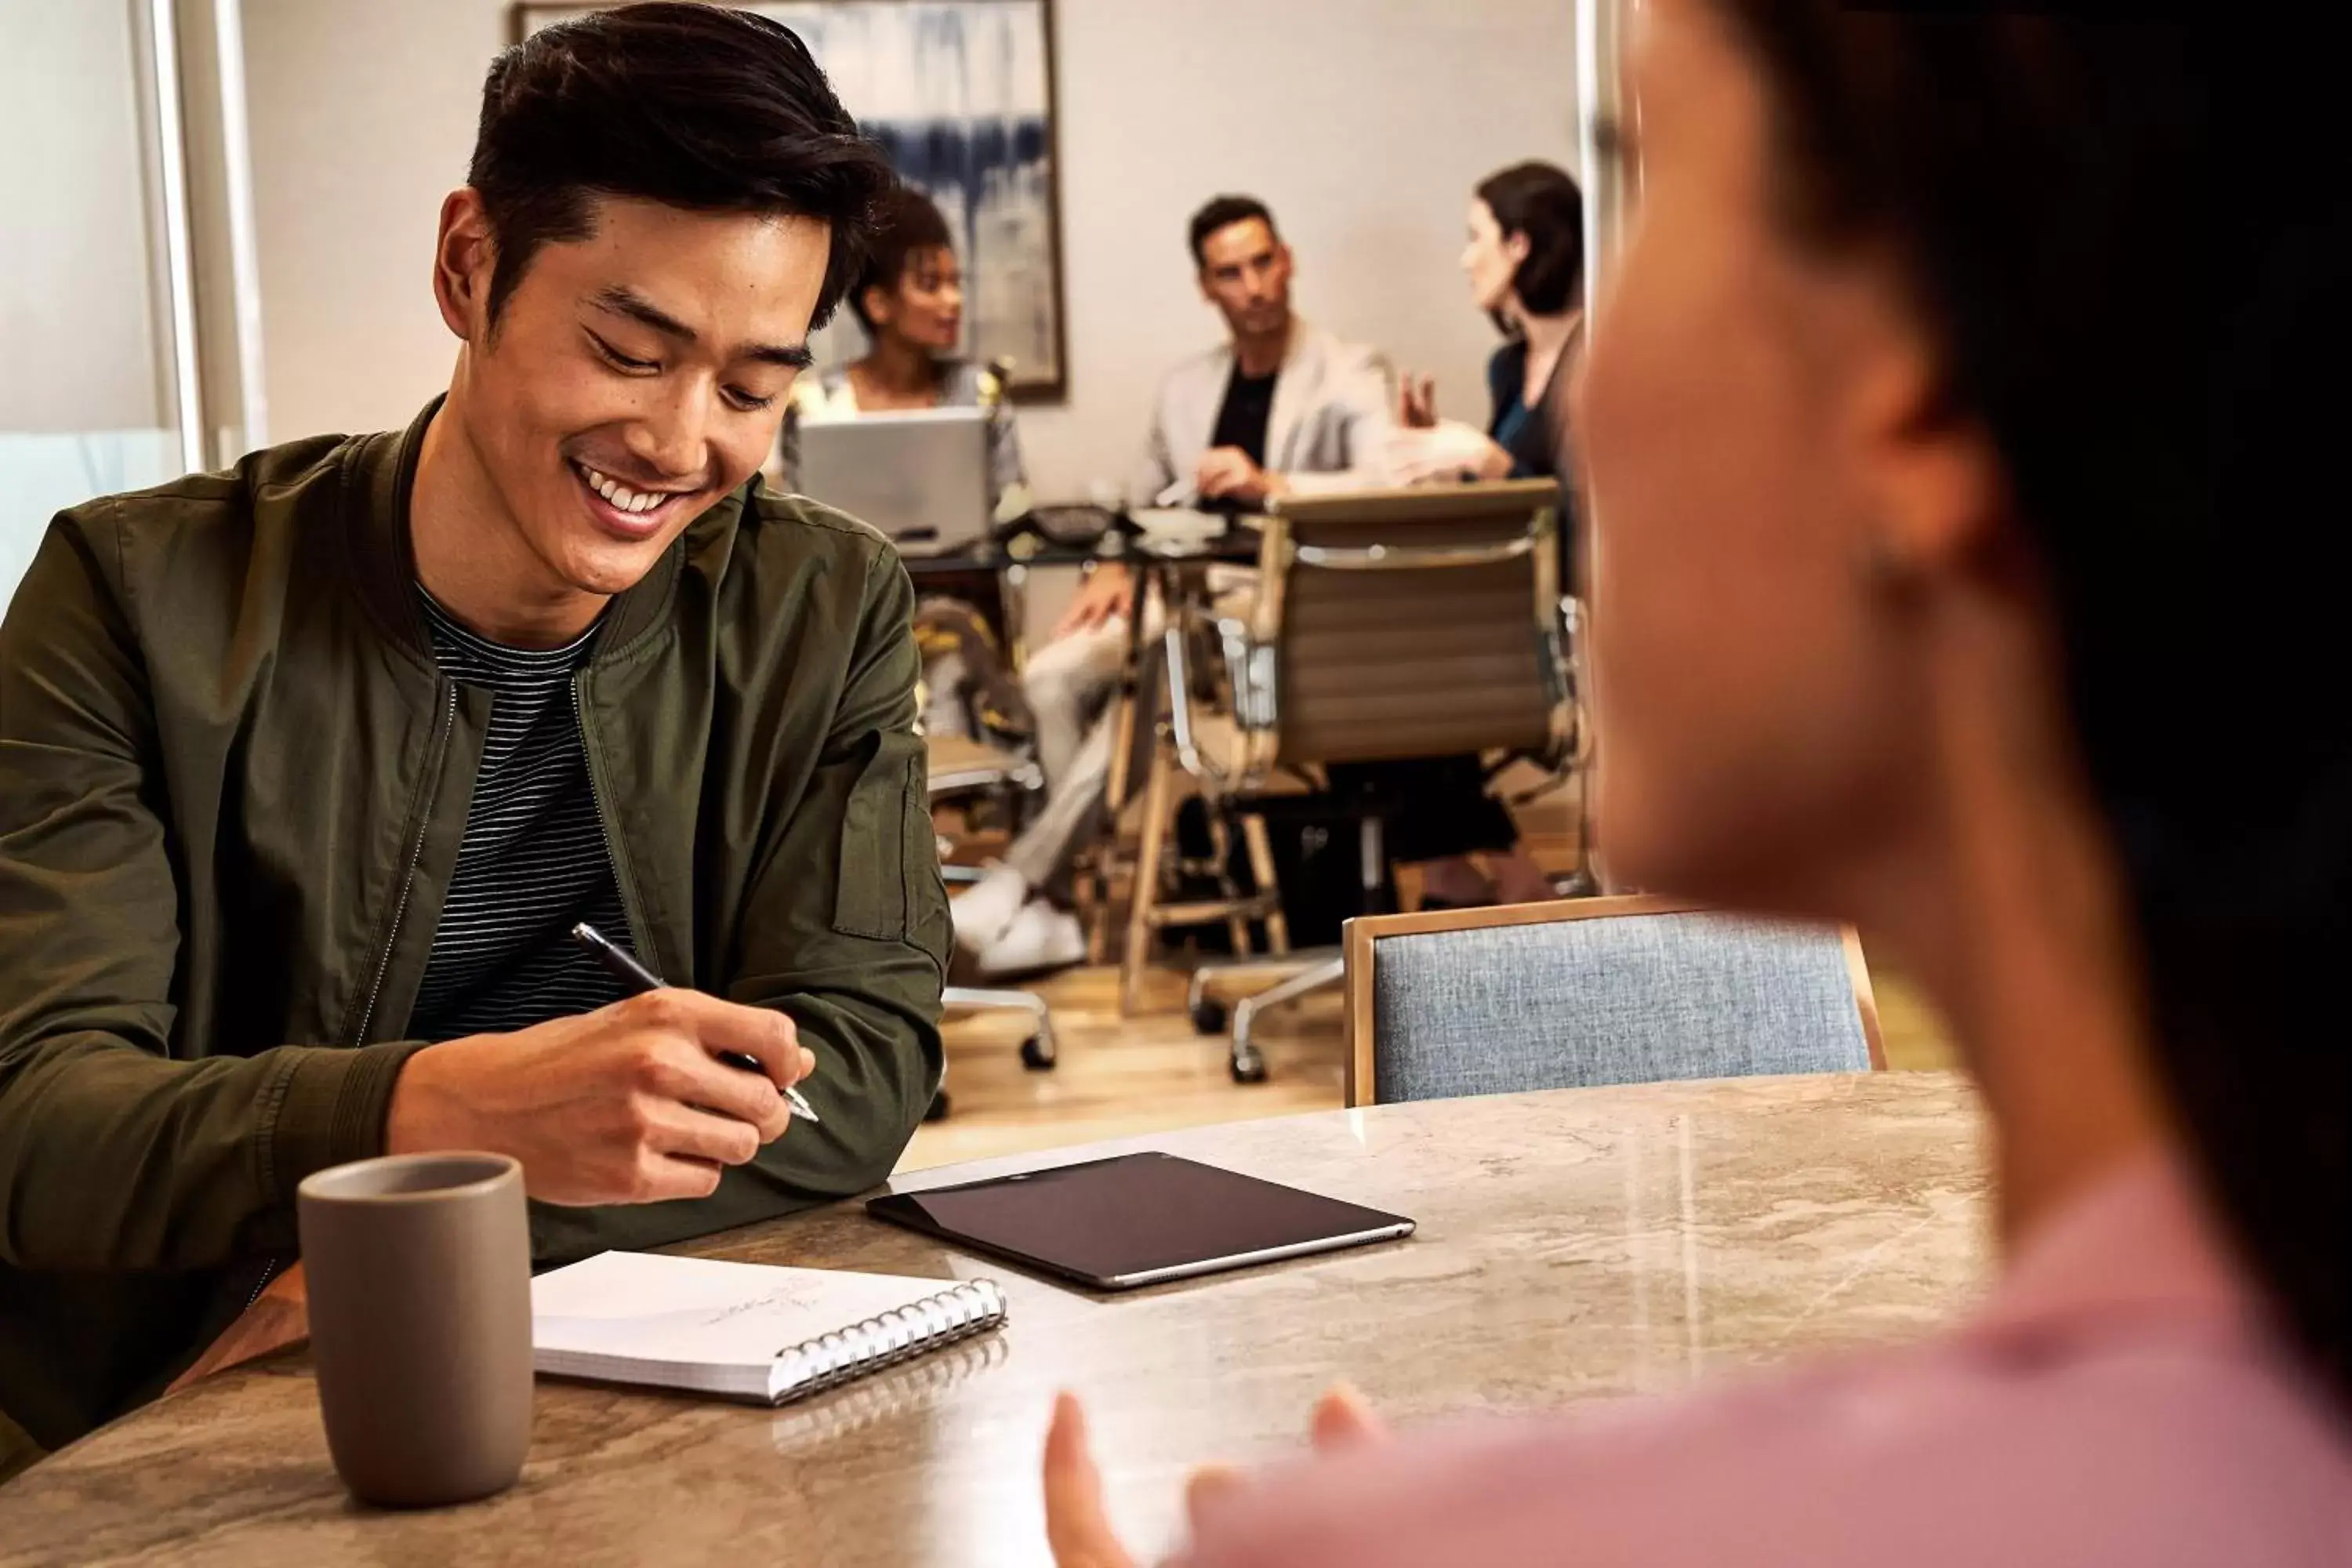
<point x="1392" y="624"/>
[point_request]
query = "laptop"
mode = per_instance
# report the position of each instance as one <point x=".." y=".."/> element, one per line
<point x="919" y="476"/>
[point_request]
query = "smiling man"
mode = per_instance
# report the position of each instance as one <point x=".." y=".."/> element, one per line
<point x="306" y="769"/>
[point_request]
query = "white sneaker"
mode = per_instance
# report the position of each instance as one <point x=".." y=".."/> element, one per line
<point x="1041" y="936"/>
<point x="984" y="911"/>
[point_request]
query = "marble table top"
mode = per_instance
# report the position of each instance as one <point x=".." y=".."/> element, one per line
<point x="1572" y="1244"/>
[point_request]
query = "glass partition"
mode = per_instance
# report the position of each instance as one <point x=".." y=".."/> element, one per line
<point x="109" y="121"/>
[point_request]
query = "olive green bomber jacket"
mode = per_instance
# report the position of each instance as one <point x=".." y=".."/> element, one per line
<point x="233" y="785"/>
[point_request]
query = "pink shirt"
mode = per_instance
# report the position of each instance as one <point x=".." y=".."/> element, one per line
<point x="2117" y="1402"/>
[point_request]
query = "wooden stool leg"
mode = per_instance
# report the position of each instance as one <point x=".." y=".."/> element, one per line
<point x="1220" y="854"/>
<point x="1117" y="789"/>
<point x="1143" y="891"/>
<point x="1096" y="898"/>
<point x="1261" y="858"/>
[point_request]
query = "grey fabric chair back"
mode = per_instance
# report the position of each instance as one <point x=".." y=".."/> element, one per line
<point x="1596" y="991"/>
<point x="1396" y="624"/>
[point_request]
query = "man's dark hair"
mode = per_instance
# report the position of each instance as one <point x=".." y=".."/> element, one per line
<point x="906" y="222"/>
<point x="692" y="106"/>
<point x="1541" y="201"/>
<point x="2026" y="171"/>
<point x="1224" y="212"/>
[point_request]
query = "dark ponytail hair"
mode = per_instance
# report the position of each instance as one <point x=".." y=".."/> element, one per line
<point x="2127" y="239"/>
<point x="1542" y="202"/>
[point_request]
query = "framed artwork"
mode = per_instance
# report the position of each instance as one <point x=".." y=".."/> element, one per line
<point x="960" y="93"/>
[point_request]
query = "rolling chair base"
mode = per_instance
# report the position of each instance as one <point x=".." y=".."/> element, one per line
<point x="1248" y="1064"/>
<point x="961" y="771"/>
<point x="1312" y="972"/>
<point x="1038" y="1052"/>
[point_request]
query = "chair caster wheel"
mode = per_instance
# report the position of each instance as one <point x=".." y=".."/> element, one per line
<point x="1208" y="1016"/>
<point x="1248" y="1066"/>
<point x="941" y="1106"/>
<point x="1037" y="1054"/>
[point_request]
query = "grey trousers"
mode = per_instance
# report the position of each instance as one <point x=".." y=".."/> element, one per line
<point x="1069" y="684"/>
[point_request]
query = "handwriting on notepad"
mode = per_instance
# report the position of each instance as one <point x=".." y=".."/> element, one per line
<point x="787" y="1298"/>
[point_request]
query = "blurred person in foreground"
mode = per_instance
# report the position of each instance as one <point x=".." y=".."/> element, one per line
<point x="1280" y="406"/>
<point x="307" y="768"/>
<point x="1924" y="568"/>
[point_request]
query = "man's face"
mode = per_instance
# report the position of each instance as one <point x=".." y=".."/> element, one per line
<point x="633" y="378"/>
<point x="1245" y="273"/>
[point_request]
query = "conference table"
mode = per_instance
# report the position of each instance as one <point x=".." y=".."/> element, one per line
<point x="985" y="574"/>
<point x="1572" y="1246"/>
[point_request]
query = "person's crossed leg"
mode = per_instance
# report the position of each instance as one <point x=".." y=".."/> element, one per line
<point x="1016" y="919"/>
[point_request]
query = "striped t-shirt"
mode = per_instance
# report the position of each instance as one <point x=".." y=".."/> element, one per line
<point x="535" y="861"/>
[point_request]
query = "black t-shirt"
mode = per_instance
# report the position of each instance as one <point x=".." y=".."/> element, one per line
<point x="1241" y="417"/>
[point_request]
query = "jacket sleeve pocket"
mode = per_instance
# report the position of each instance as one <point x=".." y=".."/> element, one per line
<point x="887" y="855"/>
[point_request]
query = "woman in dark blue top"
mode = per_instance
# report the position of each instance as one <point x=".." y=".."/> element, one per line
<point x="1525" y="260"/>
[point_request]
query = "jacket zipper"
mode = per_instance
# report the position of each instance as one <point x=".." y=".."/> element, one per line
<point x="408" y="878"/>
<point x="604" y="821"/>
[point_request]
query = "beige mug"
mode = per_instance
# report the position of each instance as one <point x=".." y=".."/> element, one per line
<point x="419" y="1268"/>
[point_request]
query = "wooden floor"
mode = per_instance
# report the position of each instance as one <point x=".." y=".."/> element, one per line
<point x="1147" y="1074"/>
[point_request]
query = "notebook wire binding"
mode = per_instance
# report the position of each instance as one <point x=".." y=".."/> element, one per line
<point x="920" y="1384"/>
<point x="884" y="1341"/>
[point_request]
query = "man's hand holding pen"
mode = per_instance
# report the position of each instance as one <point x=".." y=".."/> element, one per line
<point x="630" y="1103"/>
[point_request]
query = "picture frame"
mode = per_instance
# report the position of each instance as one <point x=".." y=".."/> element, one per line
<point x="962" y="94"/>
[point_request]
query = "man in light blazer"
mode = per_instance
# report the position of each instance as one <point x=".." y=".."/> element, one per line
<point x="1279" y="408"/>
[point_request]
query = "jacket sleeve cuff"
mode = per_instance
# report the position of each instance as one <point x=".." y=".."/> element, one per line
<point x="331" y="1109"/>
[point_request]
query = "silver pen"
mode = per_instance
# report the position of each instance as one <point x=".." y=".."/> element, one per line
<point x="623" y="966"/>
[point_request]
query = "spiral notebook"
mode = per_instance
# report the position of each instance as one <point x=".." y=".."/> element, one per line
<point x="742" y="1331"/>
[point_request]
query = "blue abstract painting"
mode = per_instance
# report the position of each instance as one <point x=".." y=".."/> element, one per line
<point x="960" y="93"/>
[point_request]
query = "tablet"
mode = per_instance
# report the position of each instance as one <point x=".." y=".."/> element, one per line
<point x="1136" y="1219"/>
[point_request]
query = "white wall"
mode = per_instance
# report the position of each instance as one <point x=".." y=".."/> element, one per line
<point x="1362" y="122"/>
<point x="76" y="312"/>
<point x="361" y="116"/>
